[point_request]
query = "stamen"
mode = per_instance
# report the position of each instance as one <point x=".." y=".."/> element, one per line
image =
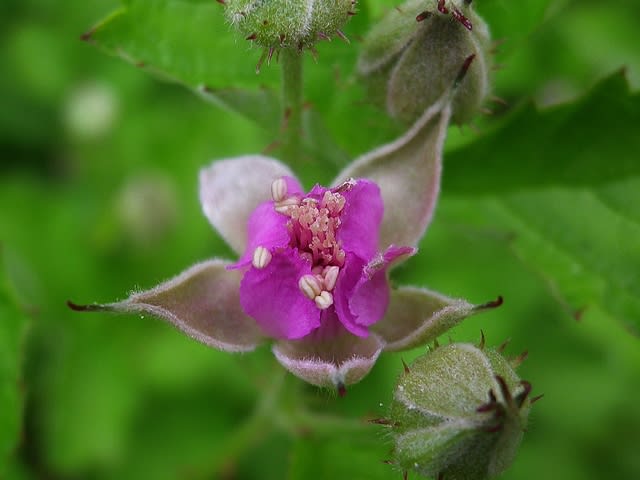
<point x="279" y="190"/>
<point x="345" y="186"/>
<point x="324" y="300"/>
<point x="285" y="205"/>
<point x="310" y="286"/>
<point x="261" y="257"/>
<point x="330" y="277"/>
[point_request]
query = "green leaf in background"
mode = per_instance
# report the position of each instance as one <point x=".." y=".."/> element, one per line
<point x="563" y="187"/>
<point x="359" y="456"/>
<point x="185" y="41"/>
<point x="12" y="330"/>
<point x="587" y="143"/>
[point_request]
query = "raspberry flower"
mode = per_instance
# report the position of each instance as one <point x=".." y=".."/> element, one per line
<point x="312" y="276"/>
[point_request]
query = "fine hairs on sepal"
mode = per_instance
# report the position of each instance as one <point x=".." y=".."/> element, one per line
<point x="458" y="412"/>
<point x="278" y="24"/>
<point x="414" y="53"/>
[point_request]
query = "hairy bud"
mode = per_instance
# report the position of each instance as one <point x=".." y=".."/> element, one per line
<point x="414" y="55"/>
<point x="285" y="24"/>
<point x="458" y="413"/>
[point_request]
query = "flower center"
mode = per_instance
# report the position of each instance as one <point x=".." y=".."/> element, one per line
<point x="313" y="226"/>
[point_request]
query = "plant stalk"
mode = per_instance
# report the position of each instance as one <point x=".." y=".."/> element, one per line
<point x="291" y="61"/>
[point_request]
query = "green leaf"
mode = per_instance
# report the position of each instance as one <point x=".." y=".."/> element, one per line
<point x="562" y="188"/>
<point x="357" y="456"/>
<point x="515" y="22"/>
<point x="188" y="42"/>
<point x="12" y="329"/>
<point x="588" y="143"/>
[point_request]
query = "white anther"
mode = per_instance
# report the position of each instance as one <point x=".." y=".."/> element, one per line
<point x="324" y="300"/>
<point x="261" y="257"/>
<point x="310" y="286"/>
<point x="284" y="205"/>
<point x="330" y="277"/>
<point x="279" y="189"/>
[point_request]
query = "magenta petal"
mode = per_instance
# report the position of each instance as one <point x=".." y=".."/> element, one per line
<point x="202" y="302"/>
<point x="347" y="280"/>
<point x="361" y="219"/>
<point x="272" y="297"/>
<point x="230" y="189"/>
<point x="266" y="228"/>
<point x="370" y="296"/>
<point x="335" y="361"/>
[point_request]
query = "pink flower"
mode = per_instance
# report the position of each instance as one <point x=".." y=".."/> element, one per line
<point x="312" y="272"/>
<point x="312" y="260"/>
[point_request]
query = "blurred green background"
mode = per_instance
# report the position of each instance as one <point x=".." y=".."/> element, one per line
<point x="98" y="196"/>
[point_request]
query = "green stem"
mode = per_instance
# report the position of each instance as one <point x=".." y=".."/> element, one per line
<point x="254" y="428"/>
<point x="291" y="61"/>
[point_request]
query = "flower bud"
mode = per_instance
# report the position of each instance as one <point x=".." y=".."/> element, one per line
<point x="288" y="24"/>
<point x="415" y="54"/>
<point x="458" y="412"/>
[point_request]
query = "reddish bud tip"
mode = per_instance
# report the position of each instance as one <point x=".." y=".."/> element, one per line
<point x="442" y="8"/>
<point x="342" y="36"/>
<point x="517" y="361"/>
<point x="536" y="398"/>
<point x="253" y="36"/>
<point x="84" y="308"/>
<point x="342" y="390"/>
<point x="503" y="345"/>
<point x="384" y="421"/>
<point x="463" y="70"/>
<point x="492" y="304"/>
<point x="504" y="388"/>
<point x="86" y="36"/>
<point x="457" y="14"/>
<point x="405" y="366"/>
<point x="423" y="16"/>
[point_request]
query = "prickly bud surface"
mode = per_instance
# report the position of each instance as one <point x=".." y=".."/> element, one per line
<point x="458" y="413"/>
<point x="288" y="24"/>
<point x="415" y="53"/>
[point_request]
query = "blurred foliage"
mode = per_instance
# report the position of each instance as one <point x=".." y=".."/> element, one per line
<point x="98" y="196"/>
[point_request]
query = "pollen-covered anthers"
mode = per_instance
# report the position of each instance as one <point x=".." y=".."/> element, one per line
<point x="312" y="286"/>
<point x="261" y="257"/>
<point x="281" y="199"/>
<point x="313" y="227"/>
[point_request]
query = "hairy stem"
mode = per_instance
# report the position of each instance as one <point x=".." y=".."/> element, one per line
<point x="291" y="61"/>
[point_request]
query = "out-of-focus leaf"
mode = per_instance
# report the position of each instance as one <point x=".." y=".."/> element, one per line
<point x="185" y="39"/>
<point x="515" y="23"/>
<point x="12" y="329"/>
<point x="562" y="187"/>
<point x="357" y="456"/>
<point x="588" y="143"/>
<point x="188" y="42"/>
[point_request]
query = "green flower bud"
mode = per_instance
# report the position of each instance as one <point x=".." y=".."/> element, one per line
<point x="288" y="24"/>
<point x="458" y="412"/>
<point x="414" y="55"/>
